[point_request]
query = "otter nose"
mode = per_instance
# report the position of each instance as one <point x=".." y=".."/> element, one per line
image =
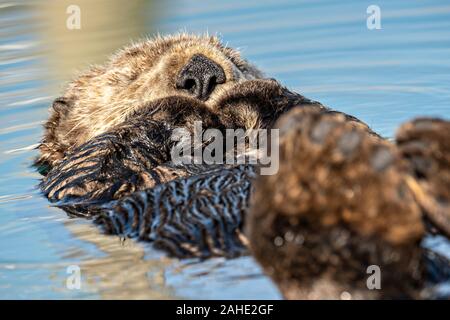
<point x="200" y="76"/>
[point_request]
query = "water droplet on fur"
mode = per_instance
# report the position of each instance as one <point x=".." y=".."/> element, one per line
<point x="278" y="241"/>
<point x="424" y="124"/>
<point x="320" y="131"/>
<point x="349" y="193"/>
<point x="381" y="159"/>
<point x="299" y="239"/>
<point x="348" y="142"/>
<point x="289" y="236"/>
<point x="346" y="296"/>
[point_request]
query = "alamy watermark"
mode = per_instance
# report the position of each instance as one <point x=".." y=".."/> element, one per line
<point x="73" y="21"/>
<point x="73" y="281"/>
<point x="374" y="19"/>
<point x="235" y="146"/>
<point x="374" y="280"/>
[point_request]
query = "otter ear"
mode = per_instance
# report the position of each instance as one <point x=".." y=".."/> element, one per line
<point x="50" y="147"/>
<point x="61" y="104"/>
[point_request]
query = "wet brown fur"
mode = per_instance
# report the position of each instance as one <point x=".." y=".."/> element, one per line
<point x="341" y="202"/>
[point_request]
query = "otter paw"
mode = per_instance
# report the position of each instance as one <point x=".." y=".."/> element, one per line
<point x="338" y="204"/>
<point x="107" y="167"/>
<point x="258" y="104"/>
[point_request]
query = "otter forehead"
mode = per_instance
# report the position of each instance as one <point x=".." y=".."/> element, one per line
<point x="149" y="52"/>
<point x="170" y="54"/>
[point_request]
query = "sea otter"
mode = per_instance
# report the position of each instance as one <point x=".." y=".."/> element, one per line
<point x="106" y="152"/>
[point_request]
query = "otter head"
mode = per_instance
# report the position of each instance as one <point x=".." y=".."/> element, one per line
<point x="199" y="67"/>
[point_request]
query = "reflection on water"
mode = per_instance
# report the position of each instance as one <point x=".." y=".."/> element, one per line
<point x="320" y="48"/>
